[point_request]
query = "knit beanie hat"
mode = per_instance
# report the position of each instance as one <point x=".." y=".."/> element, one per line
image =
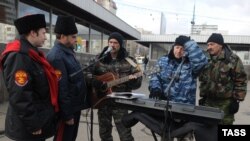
<point x="216" y="38"/>
<point x="118" y="37"/>
<point x="30" y="22"/>
<point x="65" y="25"/>
<point x="177" y="41"/>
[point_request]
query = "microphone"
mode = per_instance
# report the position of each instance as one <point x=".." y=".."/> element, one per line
<point x="108" y="50"/>
<point x="104" y="54"/>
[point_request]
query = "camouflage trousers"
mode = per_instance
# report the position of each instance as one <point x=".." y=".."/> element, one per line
<point x="105" y="114"/>
<point x="224" y="105"/>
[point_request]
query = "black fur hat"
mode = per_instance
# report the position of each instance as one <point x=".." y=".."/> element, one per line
<point x="216" y="38"/>
<point x="65" y="25"/>
<point x="30" y="22"/>
<point x="118" y="37"/>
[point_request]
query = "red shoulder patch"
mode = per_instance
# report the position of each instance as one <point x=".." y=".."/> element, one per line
<point x="58" y="74"/>
<point x="21" y="78"/>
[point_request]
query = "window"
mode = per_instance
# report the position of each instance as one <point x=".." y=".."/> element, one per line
<point x="82" y="39"/>
<point x="246" y="56"/>
<point x="95" y="42"/>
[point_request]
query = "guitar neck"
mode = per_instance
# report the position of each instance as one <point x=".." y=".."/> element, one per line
<point x="122" y="80"/>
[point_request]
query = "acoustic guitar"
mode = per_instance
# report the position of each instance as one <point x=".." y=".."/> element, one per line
<point x="97" y="97"/>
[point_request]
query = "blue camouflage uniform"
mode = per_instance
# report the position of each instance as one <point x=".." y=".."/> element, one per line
<point x="183" y="89"/>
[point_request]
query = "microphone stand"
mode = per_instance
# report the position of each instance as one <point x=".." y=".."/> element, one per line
<point x="167" y="106"/>
<point x="91" y="109"/>
<point x="84" y="68"/>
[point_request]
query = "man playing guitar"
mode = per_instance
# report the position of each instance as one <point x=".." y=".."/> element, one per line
<point x="115" y="65"/>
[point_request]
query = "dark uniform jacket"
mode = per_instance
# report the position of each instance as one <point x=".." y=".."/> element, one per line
<point x="30" y="106"/>
<point x="72" y="90"/>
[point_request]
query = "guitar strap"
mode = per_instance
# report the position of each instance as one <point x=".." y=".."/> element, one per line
<point x="131" y="62"/>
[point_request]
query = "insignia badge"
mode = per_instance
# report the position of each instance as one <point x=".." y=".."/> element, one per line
<point x="21" y="78"/>
<point x="58" y="74"/>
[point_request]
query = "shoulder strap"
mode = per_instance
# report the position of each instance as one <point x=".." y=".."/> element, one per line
<point x="131" y="62"/>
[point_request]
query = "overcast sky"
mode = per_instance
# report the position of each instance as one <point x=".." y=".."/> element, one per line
<point x="232" y="16"/>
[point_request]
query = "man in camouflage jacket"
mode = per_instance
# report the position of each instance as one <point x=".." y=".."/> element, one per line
<point x="183" y="89"/>
<point x="115" y="59"/>
<point x="223" y="83"/>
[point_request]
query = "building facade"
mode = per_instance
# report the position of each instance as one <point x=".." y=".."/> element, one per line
<point x="94" y="23"/>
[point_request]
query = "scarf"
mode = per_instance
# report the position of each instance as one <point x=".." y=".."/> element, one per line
<point x="39" y="57"/>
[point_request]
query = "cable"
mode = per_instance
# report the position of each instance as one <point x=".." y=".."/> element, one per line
<point x="182" y="12"/>
<point x="90" y="128"/>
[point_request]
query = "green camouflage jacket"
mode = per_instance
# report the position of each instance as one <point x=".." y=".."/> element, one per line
<point x="224" y="77"/>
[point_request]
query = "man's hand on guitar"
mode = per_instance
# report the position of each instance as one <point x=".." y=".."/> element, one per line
<point x="99" y="85"/>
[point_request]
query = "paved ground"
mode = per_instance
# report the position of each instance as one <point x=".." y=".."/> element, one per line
<point x="140" y="132"/>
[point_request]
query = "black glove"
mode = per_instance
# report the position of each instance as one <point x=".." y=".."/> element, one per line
<point x="99" y="85"/>
<point x="155" y="94"/>
<point x="234" y="106"/>
<point x="181" y="40"/>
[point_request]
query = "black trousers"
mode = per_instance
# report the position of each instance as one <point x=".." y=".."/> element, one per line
<point x="68" y="132"/>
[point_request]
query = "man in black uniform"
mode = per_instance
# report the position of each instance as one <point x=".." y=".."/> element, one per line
<point x="31" y="82"/>
<point x="72" y="89"/>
